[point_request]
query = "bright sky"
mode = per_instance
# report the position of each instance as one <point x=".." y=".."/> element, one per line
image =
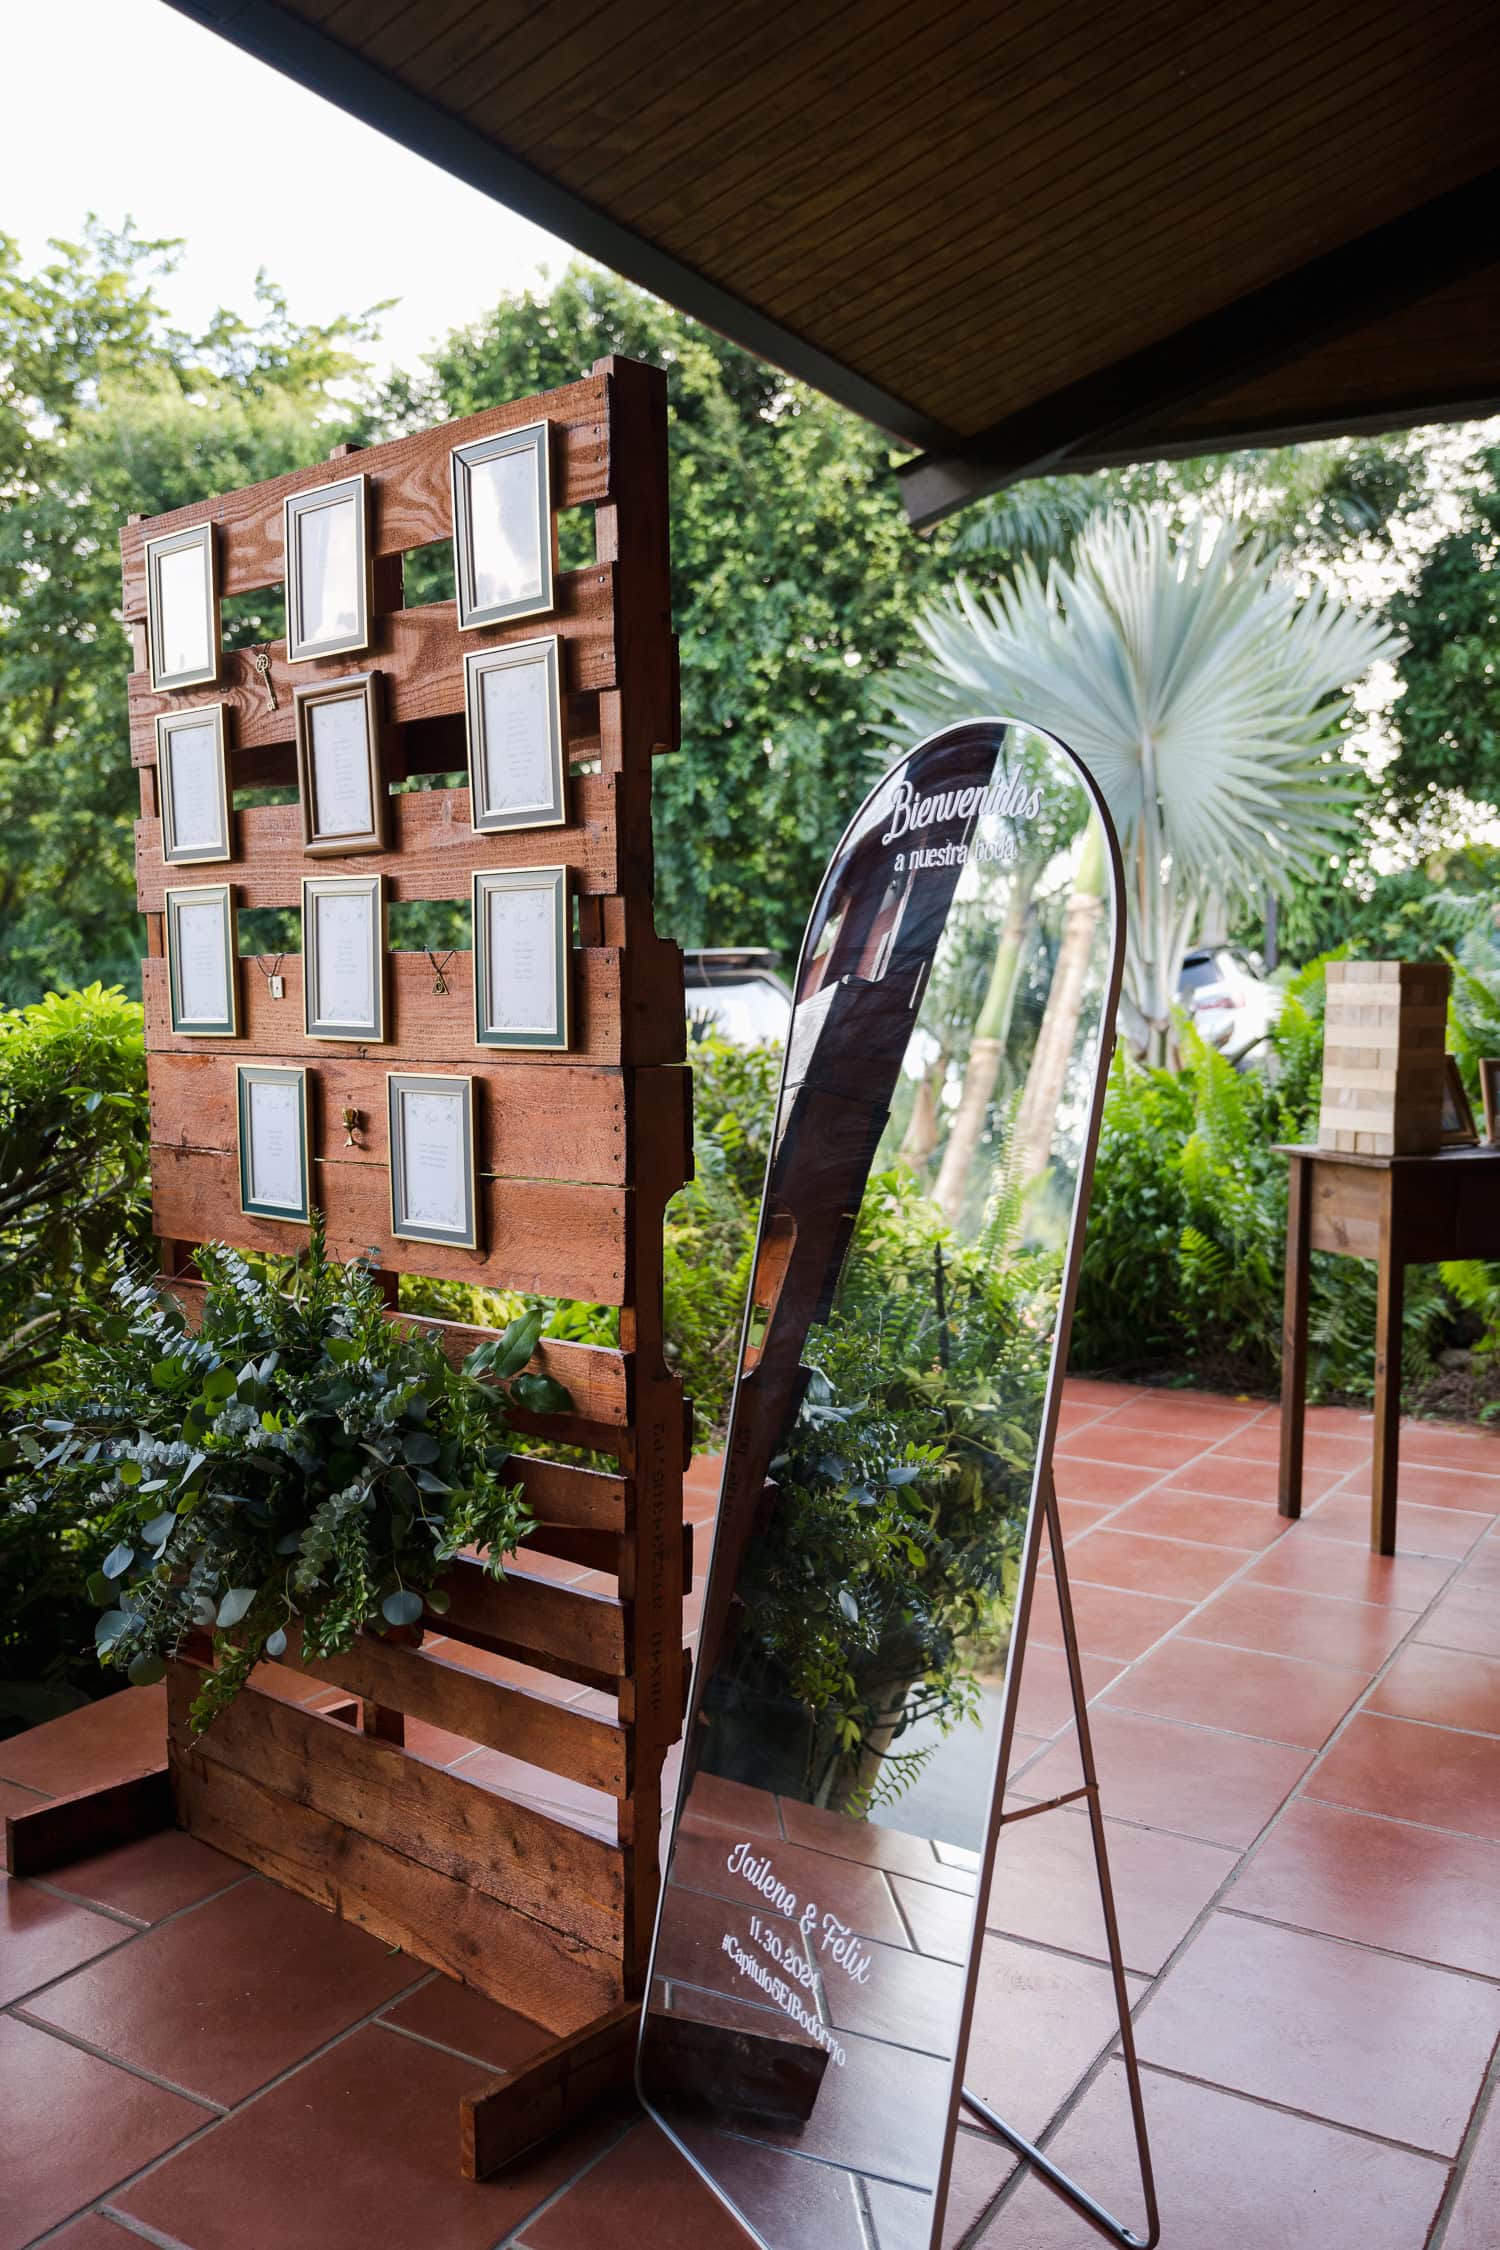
<point x="125" y="108"/>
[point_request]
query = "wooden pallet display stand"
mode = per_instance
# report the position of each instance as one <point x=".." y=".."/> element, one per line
<point x="578" y="1154"/>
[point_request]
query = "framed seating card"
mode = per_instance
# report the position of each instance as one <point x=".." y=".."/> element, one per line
<point x="513" y="711"/>
<point x="339" y="776"/>
<point x="328" y="570"/>
<point x="275" y="1147"/>
<point x="203" y="961"/>
<point x="343" y="957"/>
<point x="522" y="955"/>
<point x="502" y="526"/>
<point x="434" y="1186"/>
<point x="192" y="774"/>
<point x="182" y="608"/>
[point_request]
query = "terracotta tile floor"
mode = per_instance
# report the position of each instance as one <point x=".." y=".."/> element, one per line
<point x="1300" y="1756"/>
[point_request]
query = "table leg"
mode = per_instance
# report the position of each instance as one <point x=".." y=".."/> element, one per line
<point x="1294" y="1335"/>
<point x="1390" y="1276"/>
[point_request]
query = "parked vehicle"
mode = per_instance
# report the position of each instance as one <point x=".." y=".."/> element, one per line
<point x="734" y="993"/>
<point x="1231" y="1003"/>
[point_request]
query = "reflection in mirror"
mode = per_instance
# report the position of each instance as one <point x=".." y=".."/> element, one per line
<point x="953" y="1006"/>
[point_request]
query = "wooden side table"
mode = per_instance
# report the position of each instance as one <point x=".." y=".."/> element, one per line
<point x="1402" y="1211"/>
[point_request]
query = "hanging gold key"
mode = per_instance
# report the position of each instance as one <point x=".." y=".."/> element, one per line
<point x="261" y="659"/>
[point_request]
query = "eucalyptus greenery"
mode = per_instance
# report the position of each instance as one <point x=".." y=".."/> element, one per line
<point x="299" y="1464"/>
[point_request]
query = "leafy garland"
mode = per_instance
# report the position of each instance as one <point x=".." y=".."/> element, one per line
<point x="298" y="1465"/>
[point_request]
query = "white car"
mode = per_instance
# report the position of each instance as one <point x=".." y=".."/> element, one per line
<point x="734" y="993"/>
<point x="1230" y="1002"/>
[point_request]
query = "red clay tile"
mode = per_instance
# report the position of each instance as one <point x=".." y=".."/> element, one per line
<point x="1321" y="1449"/>
<point x="1140" y="1449"/>
<point x="1046" y="1886"/>
<point x="1046" y="1700"/>
<point x="1445" y="1445"/>
<point x="872" y="1844"/>
<point x="1326" y="1566"/>
<point x="1378" y="1882"/>
<point x="981" y="2166"/>
<point x="861" y="1894"/>
<point x="732" y="1804"/>
<point x="875" y="2112"/>
<point x="1172" y="1567"/>
<point x="93" y="2232"/>
<point x="941" y="1922"/>
<point x="1319" y="1627"/>
<point x="1244" y="1690"/>
<point x="803" y="2205"/>
<point x="14" y="1799"/>
<point x="42" y="1937"/>
<point x="1222" y="1788"/>
<point x="109" y="1740"/>
<point x="1448" y="1488"/>
<point x="911" y="1998"/>
<point x="153" y="1877"/>
<point x="1360" y="2038"/>
<point x="1078" y="1516"/>
<point x="1466" y="1618"/>
<point x="1431" y="1774"/>
<point x="1446" y="1687"/>
<point x="360" y="2146"/>
<point x="643" y="2191"/>
<point x="227" y="1995"/>
<point x="1039" y="2021"/>
<point x="1109" y="1621"/>
<point x="453" y="2015"/>
<point x="1419" y="1531"/>
<point x="1098" y="1391"/>
<point x="1178" y="1414"/>
<point x="1225" y="1477"/>
<point x="1472" y="2223"/>
<point x="71" y="2126"/>
<point x="1231" y="2175"/>
<point x="1247" y="1525"/>
<point x="1102" y="1481"/>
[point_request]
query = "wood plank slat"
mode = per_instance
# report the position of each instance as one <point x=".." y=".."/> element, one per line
<point x="411" y="502"/>
<point x="556" y="1238"/>
<point x="509" y="1957"/>
<point x="427" y="1026"/>
<point x="581" y="1636"/>
<point x="433" y="851"/>
<point x="530" y="1124"/>
<point x="419" y="654"/>
<point x="543" y="1868"/>
<point x="424" y="1684"/>
<point x="55" y="1830"/>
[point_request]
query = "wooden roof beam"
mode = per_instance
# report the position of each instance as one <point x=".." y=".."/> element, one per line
<point x="1122" y="412"/>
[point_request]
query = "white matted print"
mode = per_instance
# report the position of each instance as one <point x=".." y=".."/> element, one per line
<point x="513" y="712"/>
<point x="328" y="570"/>
<point x="434" y="1189"/>
<point x="192" y="774"/>
<point x="522" y="953"/>
<point x="182" y="608"/>
<point x="343" y="957"/>
<point x="275" y="1148"/>
<point x="203" y="961"/>
<point x="339" y="776"/>
<point x="502" y="526"/>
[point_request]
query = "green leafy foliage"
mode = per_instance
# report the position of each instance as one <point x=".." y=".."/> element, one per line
<point x="1449" y="717"/>
<point x="299" y="1464"/>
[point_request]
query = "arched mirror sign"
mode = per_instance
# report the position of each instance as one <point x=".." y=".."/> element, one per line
<point x="878" y="1526"/>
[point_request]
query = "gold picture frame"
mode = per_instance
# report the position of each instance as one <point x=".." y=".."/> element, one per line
<point x="536" y="796"/>
<point x="366" y="1028"/>
<point x="532" y="1007"/>
<point x="314" y="629"/>
<point x="197" y="810"/>
<point x="340" y="777"/>
<point x="1457" y="1127"/>
<point x="191" y="961"/>
<point x="183" y="642"/>
<point x="1489" y="1088"/>
<point x="412" y="1219"/>
<point x="504" y="539"/>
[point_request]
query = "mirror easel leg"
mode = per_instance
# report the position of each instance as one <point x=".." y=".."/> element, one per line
<point x="1077" y="2198"/>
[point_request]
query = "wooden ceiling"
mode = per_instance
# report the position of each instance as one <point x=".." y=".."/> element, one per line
<point x="1018" y="236"/>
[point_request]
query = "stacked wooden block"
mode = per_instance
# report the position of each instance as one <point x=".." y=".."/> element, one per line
<point x="1383" y="1057"/>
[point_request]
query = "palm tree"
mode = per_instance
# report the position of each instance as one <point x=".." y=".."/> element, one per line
<point x="1204" y="693"/>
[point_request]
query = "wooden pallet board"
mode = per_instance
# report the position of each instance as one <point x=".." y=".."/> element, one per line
<point x="571" y="1666"/>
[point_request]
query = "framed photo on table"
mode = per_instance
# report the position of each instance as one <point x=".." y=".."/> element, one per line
<point x="203" y="961"/>
<point x="522" y="957"/>
<point x="275" y="1145"/>
<point x="328" y="593"/>
<point x="343" y="957"/>
<point x="1489" y="1087"/>
<point x="192" y="775"/>
<point x="502" y="526"/>
<point x="339" y="769"/>
<point x="1457" y="1128"/>
<point x="182" y="609"/>
<point x="434" y="1183"/>
<point x="513" y="715"/>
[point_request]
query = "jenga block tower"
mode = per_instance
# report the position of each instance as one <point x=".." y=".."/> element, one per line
<point x="1383" y="1057"/>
